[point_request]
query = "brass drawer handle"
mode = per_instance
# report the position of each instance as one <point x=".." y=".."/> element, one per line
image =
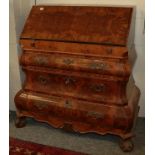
<point x="40" y="105"/>
<point x="68" y="61"/>
<point x="95" y="114"/>
<point x="42" y="80"/>
<point x="41" y="60"/>
<point x="100" y="66"/>
<point x="69" y="80"/>
<point x="98" y="88"/>
<point x="68" y="104"/>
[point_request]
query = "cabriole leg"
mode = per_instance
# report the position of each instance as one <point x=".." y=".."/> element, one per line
<point x="20" y="122"/>
<point x="126" y="145"/>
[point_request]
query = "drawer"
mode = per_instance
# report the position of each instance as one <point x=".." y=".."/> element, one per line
<point x="84" y="49"/>
<point x="86" y="88"/>
<point x="77" y="63"/>
<point x="70" y="110"/>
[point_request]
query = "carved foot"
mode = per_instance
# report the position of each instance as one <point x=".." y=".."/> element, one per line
<point x="126" y="145"/>
<point x="20" y="122"/>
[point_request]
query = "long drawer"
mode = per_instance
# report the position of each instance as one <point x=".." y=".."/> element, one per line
<point x="114" y="67"/>
<point x="95" y="89"/>
<point x="69" y="110"/>
<point x="85" y="49"/>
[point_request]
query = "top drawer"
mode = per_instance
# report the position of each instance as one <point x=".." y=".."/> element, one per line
<point x="91" y="50"/>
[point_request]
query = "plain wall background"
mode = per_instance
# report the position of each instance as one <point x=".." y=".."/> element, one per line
<point x="19" y="10"/>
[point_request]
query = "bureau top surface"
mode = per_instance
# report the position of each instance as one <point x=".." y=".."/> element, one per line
<point x="101" y="25"/>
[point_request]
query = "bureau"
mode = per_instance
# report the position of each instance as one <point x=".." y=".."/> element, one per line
<point x="78" y="64"/>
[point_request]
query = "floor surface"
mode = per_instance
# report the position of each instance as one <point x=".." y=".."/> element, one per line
<point x="92" y="144"/>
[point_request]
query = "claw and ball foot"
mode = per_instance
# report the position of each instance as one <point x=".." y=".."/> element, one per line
<point x="126" y="145"/>
<point x="20" y="122"/>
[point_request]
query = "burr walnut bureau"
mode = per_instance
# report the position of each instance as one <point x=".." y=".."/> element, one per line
<point x="78" y="63"/>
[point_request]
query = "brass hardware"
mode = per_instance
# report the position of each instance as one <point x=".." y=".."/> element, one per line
<point x="98" y="88"/>
<point x="41" y="105"/>
<point x="42" y="80"/>
<point x="68" y="104"/>
<point x="68" y="61"/>
<point x="98" y="66"/>
<point x="69" y="80"/>
<point x="95" y="114"/>
<point x="40" y="60"/>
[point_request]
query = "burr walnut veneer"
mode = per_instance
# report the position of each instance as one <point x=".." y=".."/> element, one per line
<point x="78" y="63"/>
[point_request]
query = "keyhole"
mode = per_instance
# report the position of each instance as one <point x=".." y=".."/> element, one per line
<point x="42" y="80"/>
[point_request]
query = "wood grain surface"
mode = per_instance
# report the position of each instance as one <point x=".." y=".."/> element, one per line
<point x="105" y="25"/>
<point x="77" y="70"/>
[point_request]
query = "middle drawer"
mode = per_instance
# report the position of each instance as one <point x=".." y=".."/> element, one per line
<point x="86" y="88"/>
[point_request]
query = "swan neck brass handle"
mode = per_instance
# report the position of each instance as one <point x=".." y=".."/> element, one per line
<point x="68" y="61"/>
<point x="97" y="66"/>
<point x="41" y="60"/>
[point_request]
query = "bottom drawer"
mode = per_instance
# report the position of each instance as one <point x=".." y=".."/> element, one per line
<point x="73" y="110"/>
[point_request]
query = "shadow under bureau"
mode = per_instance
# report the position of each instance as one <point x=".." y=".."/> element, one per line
<point x="78" y="62"/>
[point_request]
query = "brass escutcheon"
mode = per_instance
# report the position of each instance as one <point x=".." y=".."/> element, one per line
<point x="42" y="80"/>
<point x="98" y="88"/>
<point x="33" y="43"/>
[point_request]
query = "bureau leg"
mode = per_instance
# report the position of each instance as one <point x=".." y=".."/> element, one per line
<point x="126" y="145"/>
<point x="20" y="122"/>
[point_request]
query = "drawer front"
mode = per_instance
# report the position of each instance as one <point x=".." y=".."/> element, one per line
<point x="69" y="110"/>
<point x="78" y="63"/>
<point x="98" y="90"/>
<point x="92" y="50"/>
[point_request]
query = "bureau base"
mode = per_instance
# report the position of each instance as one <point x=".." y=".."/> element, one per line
<point x="117" y="120"/>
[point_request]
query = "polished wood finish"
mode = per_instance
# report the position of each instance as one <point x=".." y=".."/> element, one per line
<point x="103" y="91"/>
<point x="76" y="61"/>
<point x="73" y="48"/>
<point x="106" y="25"/>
